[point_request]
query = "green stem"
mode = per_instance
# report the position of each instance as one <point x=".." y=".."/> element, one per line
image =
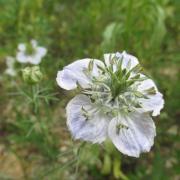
<point x="117" y="169"/>
<point x="36" y="112"/>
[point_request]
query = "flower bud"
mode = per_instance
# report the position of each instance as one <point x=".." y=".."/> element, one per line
<point x="32" y="75"/>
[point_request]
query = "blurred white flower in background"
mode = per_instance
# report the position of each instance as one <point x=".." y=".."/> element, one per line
<point x="116" y="101"/>
<point x="30" y="53"/>
<point x="10" y="62"/>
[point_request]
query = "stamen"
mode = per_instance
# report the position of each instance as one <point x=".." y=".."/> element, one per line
<point x="119" y="127"/>
<point x="85" y="113"/>
<point x="150" y="91"/>
<point x="90" y="65"/>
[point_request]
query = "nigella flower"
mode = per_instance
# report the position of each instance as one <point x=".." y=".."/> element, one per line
<point x="30" y="53"/>
<point x="10" y="70"/>
<point x="116" y="101"/>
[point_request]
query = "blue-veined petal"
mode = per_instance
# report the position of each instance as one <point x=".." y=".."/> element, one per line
<point x="21" y="57"/>
<point x="34" y="59"/>
<point x="74" y="73"/>
<point x="155" y="101"/>
<point x="92" y="128"/>
<point x="128" y="59"/>
<point x="37" y="56"/>
<point x="136" y="134"/>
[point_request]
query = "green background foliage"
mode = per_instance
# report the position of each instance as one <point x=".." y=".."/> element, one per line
<point x="34" y="140"/>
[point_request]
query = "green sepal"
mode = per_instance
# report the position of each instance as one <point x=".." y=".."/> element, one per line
<point x="32" y="75"/>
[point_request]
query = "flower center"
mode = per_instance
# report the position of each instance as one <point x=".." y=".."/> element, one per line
<point x="115" y="89"/>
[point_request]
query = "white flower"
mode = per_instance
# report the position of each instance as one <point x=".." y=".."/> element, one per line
<point x="10" y="66"/>
<point x="116" y="101"/>
<point x="30" y="53"/>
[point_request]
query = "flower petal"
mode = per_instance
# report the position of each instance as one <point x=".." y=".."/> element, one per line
<point x="34" y="59"/>
<point x="21" y="57"/>
<point x="126" y="58"/>
<point x="10" y="72"/>
<point x="41" y="51"/>
<point x="146" y="84"/>
<point x="73" y="73"/>
<point x="155" y="102"/>
<point x="133" y="133"/>
<point x="93" y="128"/>
<point x="10" y="61"/>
